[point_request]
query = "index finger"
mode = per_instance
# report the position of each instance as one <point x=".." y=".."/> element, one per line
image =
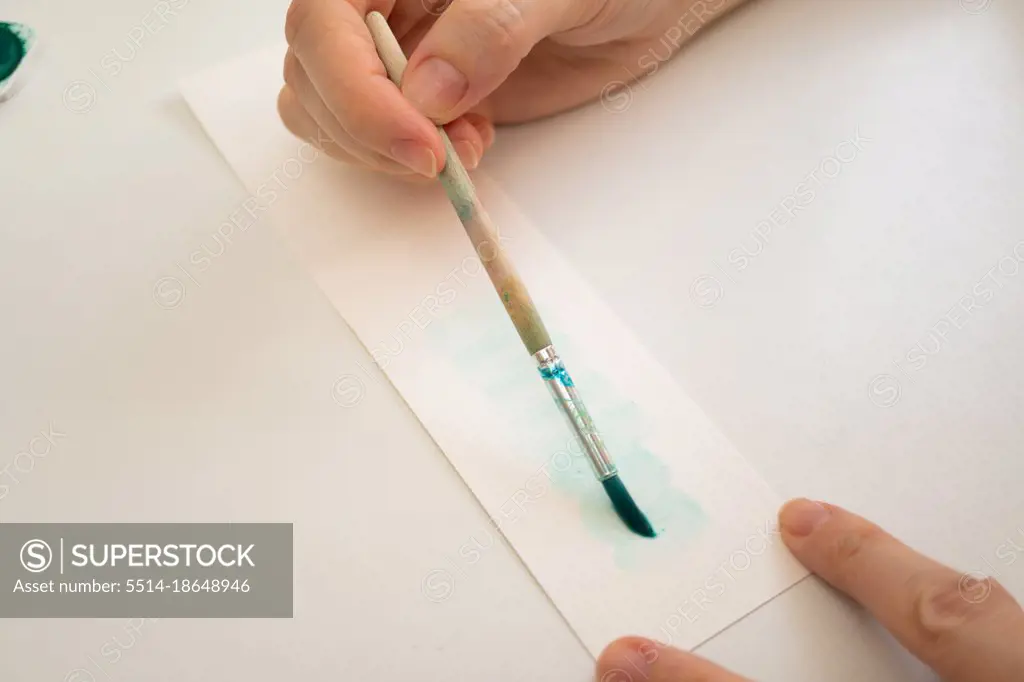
<point x="332" y="43"/>
<point x="966" y="629"/>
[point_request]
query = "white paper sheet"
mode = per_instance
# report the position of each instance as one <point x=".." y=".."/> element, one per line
<point x="396" y="264"/>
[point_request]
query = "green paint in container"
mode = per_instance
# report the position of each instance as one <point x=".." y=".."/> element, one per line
<point x="16" y="41"/>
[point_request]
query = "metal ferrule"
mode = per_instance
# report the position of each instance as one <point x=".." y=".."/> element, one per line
<point x="563" y="390"/>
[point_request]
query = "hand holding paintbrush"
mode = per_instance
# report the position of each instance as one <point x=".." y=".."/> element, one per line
<point x="516" y="299"/>
<point x="475" y="63"/>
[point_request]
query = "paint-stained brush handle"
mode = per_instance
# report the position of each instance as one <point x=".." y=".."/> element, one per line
<point x="461" y="192"/>
<point x="516" y="300"/>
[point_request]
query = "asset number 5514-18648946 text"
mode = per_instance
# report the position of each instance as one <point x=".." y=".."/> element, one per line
<point x="186" y="585"/>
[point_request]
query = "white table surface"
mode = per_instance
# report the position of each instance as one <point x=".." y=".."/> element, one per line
<point x="220" y="407"/>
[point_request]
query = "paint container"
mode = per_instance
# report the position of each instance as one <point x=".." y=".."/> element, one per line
<point x="16" y="43"/>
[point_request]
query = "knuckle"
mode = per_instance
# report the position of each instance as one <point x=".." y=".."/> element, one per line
<point x="846" y="550"/>
<point x="501" y="22"/>
<point x="942" y="608"/>
<point x="436" y="7"/>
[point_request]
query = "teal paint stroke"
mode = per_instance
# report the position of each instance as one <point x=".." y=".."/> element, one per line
<point x="483" y="344"/>
<point x="486" y="347"/>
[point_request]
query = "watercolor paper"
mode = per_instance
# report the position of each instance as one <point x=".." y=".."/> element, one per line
<point x="396" y="264"/>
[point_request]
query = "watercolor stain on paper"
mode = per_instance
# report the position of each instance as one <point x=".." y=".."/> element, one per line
<point x="488" y="349"/>
<point x="676" y="517"/>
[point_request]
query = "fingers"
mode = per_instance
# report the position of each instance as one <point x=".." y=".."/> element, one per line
<point x="471" y="135"/>
<point x="337" y="89"/>
<point x="471" y="50"/>
<point x="339" y="63"/>
<point x="634" y="659"/>
<point x="302" y="125"/>
<point x="298" y="81"/>
<point x="931" y="609"/>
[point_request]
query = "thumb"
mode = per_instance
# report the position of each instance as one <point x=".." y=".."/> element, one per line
<point x="634" y="659"/>
<point x="471" y="50"/>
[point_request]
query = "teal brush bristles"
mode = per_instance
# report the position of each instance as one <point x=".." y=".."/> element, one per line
<point x="626" y="508"/>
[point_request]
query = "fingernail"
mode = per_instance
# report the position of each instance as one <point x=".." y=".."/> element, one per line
<point x="468" y="154"/>
<point x="416" y="156"/>
<point x="628" y="660"/>
<point x="435" y="87"/>
<point x="483" y="127"/>
<point x="801" y="517"/>
<point x="487" y="133"/>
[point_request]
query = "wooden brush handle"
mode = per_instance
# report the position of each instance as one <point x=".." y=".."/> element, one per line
<point x="462" y="194"/>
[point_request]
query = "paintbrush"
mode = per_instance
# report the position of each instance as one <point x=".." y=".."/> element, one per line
<point x="516" y="299"/>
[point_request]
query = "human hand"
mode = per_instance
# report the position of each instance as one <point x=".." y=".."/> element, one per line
<point x="472" y="64"/>
<point x="966" y="630"/>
